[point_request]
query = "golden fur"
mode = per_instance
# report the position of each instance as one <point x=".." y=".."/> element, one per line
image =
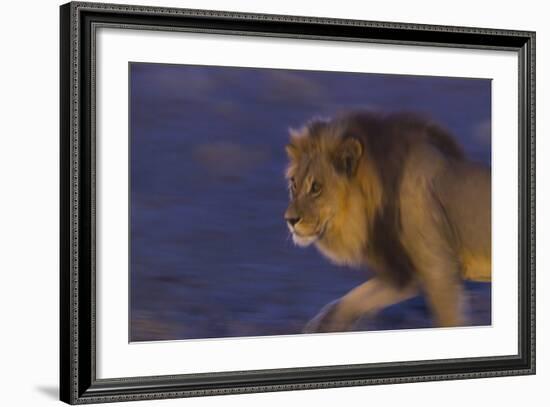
<point x="393" y="193"/>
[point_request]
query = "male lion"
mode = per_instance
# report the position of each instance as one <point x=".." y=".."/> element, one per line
<point x="394" y="193"/>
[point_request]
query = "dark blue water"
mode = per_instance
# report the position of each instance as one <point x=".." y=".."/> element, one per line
<point x="210" y="253"/>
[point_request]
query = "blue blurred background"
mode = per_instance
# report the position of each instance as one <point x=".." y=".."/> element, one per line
<point x="210" y="253"/>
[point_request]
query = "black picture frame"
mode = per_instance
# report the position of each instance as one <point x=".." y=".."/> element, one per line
<point x="78" y="382"/>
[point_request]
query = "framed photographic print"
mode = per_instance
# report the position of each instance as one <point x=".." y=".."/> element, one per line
<point x="256" y="203"/>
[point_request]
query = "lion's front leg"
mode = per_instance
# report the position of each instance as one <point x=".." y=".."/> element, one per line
<point x="331" y="318"/>
<point x="368" y="298"/>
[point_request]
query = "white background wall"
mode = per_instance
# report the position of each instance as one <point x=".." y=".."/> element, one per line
<point x="29" y="163"/>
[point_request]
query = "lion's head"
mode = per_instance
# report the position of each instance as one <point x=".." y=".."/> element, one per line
<point x="327" y="191"/>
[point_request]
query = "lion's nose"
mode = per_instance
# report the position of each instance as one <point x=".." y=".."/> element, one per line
<point x="292" y="220"/>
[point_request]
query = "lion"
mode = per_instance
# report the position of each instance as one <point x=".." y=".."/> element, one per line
<point x="393" y="193"/>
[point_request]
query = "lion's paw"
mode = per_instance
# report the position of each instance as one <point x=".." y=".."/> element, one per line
<point x="329" y="319"/>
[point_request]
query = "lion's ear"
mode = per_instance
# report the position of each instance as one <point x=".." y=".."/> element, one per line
<point x="347" y="156"/>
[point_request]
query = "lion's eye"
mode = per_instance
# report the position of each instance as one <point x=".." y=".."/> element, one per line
<point x="292" y="184"/>
<point x="315" y="188"/>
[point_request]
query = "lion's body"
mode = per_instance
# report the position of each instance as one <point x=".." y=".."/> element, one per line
<point x="397" y="196"/>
